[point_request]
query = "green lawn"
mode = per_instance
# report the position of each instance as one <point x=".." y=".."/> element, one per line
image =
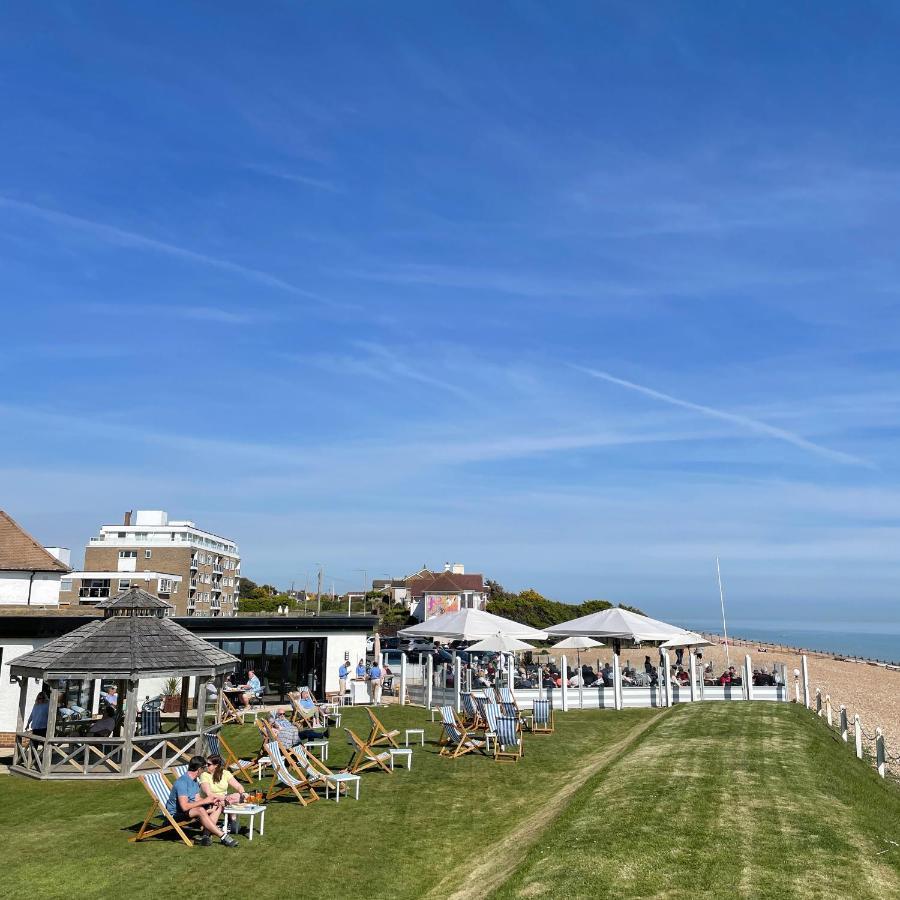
<point x="716" y="800"/>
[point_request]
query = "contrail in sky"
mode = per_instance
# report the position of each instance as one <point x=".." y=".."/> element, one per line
<point x="744" y="422"/>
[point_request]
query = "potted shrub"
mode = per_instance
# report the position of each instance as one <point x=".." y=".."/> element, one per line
<point x="172" y="695"/>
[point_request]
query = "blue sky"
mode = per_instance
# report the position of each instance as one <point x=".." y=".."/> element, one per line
<point x="581" y="294"/>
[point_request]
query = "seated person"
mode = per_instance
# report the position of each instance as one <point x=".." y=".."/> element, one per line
<point x="104" y="726"/>
<point x="252" y="689"/>
<point x="185" y="803"/>
<point x="725" y="678"/>
<point x="575" y="680"/>
<point x="606" y="673"/>
<point x="212" y="692"/>
<point x="681" y="676"/>
<point x="589" y="675"/>
<point x="110" y="696"/>
<point x="215" y="781"/>
<point x="304" y="699"/>
<point x="290" y="735"/>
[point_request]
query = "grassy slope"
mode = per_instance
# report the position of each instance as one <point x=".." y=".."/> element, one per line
<point x="724" y="800"/>
<point x="63" y="839"/>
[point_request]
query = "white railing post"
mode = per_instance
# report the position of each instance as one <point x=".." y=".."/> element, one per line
<point x="828" y="710"/>
<point x="748" y="676"/>
<point x="693" y="664"/>
<point x="667" y="679"/>
<point x="457" y="683"/>
<point x="819" y="702"/>
<point x="402" y="680"/>
<point x="879" y="752"/>
<point x="796" y="685"/>
<point x="564" y="669"/>
<point x="429" y="681"/>
<point x="804" y="670"/>
<point x="617" y="682"/>
<point x="857" y="734"/>
<point x="540" y="682"/>
<point x="845" y="736"/>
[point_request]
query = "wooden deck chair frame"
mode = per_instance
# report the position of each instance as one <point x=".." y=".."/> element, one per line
<point x="473" y="718"/>
<point x="230" y="713"/>
<point x="300" y="716"/>
<point x="458" y="740"/>
<point x="366" y="757"/>
<point x="236" y="765"/>
<point x="544" y="725"/>
<point x="282" y="759"/>
<point x="159" y="809"/>
<point x="509" y="734"/>
<point x="380" y="734"/>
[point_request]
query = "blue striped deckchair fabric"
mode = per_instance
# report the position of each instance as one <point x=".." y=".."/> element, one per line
<point x="543" y="716"/>
<point x="470" y="708"/>
<point x="506" y="696"/>
<point x="509" y="709"/>
<point x="509" y="739"/>
<point x="287" y="778"/>
<point x="216" y="746"/>
<point x="151" y="721"/>
<point x="158" y="786"/>
<point x="178" y="771"/>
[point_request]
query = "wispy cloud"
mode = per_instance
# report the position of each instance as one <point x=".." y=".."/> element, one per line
<point x="123" y="238"/>
<point x="320" y="184"/>
<point x="192" y="313"/>
<point x="744" y="422"/>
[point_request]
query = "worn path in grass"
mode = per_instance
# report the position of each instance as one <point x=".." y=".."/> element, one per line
<point x="490" y="866"/>
<point x="407" y="832"/>
<point x="724" y="800"/>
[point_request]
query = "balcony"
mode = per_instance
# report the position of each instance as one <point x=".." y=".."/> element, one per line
<point x="193" y="582"/>
<point x="218" y="570"/>
<point x="193" y="563"/>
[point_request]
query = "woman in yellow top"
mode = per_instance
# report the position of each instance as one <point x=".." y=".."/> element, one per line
<point x="215" y="782"/>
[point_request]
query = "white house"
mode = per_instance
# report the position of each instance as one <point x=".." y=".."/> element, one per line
<point x="29" y="573"/>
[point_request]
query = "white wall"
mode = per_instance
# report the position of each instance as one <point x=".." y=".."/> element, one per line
<point x="339" y="643"/>
<point x="44" y="588"/>
<point x="9" y="693"/>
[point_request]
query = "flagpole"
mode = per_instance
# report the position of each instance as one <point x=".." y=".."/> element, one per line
<point x="722" y="601"/>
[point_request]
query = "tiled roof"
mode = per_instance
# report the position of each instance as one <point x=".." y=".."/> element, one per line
<point x="126" y="647"/>
<point x="135" y="598"/>
<point x="20" y="552"/>
<point x="443" y="583"/>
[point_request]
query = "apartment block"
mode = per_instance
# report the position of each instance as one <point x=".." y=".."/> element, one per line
<point x="196" y="570"/>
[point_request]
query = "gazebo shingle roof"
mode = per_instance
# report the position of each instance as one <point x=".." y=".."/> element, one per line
<point x="136" y="598"/>
<point x="126" y="647"/>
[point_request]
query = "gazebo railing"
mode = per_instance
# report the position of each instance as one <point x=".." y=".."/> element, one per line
<point x="73" y="756"/>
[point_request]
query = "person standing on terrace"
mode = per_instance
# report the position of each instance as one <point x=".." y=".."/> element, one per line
<point x="37" y="721"/>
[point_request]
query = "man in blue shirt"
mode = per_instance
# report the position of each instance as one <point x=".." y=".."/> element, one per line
<point x="37" y="721"/>
<point x="111" y="696"/>
<point x="361" y="669"/>
<point x="375" y="681"/>
<point x="185" y="802"/>
<point x="343" y="673"/>
<point x="253" y="688"/>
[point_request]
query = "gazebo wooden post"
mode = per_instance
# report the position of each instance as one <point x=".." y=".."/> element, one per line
<point x="183" y="703"/>
<point x="201" y="716"/>
<point x="23" y="702"/>
<point x="47" y="752"/>
<point x="132" y="701"/>
<point x="220" y="690"/>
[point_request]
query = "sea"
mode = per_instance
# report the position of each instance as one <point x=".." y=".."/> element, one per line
<point x="877" y="640"/>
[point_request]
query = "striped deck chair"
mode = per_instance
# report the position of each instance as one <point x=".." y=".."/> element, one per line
<point x="216" y="744"/>
<point x="482" y="700"/>
<point x="470" y="709"/>
<point x="543" y="717"/>
<point x="380" y="734"/>
<point x="506" y="696"/>
<point x="448" y="717"/>
<point x="151" y="721"/>
<point x="230" y="713"/>
<point x="302" y="717"/>
<point x="508" y="745"/>
<point x="288" y="779"/>
<point x="458" y="742"/>
<point x="365" y="757"/>
<point x="159" y="788"/>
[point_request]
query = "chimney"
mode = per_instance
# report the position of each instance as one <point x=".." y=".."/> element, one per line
<point x="127" y="518"/>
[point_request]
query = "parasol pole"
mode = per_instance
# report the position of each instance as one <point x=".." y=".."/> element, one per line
<point x="722" y="601"/>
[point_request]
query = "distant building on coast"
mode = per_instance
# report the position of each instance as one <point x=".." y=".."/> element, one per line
<point x="435" y="593"/>
<point x="194" y="569"/>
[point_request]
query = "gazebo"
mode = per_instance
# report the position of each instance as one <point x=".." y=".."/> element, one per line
<point x="134" y="640"/>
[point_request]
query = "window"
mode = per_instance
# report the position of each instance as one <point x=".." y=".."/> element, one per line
<point x="94" y="588"/>
<point x="128" y="554"/>
<point x="121" y="534"/>
<point x="124" y="584"/>
<point x="148" y="554"/>
<point x="165" y="586"/>
<point x="65" y="584"/>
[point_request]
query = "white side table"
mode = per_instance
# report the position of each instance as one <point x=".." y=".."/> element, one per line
<point x="336" y="779"/>
<point x="419" y="731"/>
<point x="247" y="809"/>
<point x="403" y="751"/>
<point x="322" y="745"/>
